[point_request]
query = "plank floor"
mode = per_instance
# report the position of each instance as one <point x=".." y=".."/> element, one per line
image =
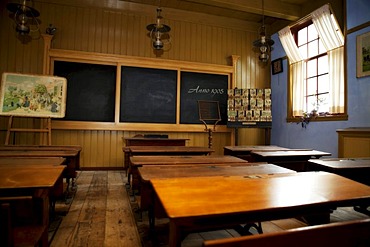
<point x="103" y="213"/>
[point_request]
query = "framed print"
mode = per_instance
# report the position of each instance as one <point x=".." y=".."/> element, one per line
<point x="363" y="54"/>
<point x="277" y="66"/>
<point x="33" y="95"/>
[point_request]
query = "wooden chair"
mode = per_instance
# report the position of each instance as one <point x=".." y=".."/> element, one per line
<point x="343" y="234"/>
<point x="23" y="221"/>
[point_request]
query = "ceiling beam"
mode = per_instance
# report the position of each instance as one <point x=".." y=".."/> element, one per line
<point x="272" y="8"/>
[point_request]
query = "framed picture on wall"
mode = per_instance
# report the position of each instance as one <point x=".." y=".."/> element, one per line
<point x="277" y="66"/>
<point x="363" y="54"/>
<point x="33" y="95"/>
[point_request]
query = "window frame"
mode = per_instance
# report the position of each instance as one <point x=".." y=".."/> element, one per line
<point x="328" y="117"/>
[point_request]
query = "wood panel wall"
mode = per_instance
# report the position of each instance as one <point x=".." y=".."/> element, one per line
<point x="195" y="38"/>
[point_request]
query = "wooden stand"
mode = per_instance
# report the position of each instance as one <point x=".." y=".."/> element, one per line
<point x="209" y="111"/>
<point x="46" y="130"/>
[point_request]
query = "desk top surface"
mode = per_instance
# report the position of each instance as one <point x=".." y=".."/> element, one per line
<point x="290" y="153"/>
<point x="255" y="148"/>
<point x="28" y="176"/>
<point x="343" y="163"/>
<point x="199" y="197"/>
<point x="187" y="159"/>
<point x="170" y="149"/>
<point x="38" y="153"/>
<point x="248" y="169"/>
<point x="11" y="161"/>
<point x="40" y="147"/>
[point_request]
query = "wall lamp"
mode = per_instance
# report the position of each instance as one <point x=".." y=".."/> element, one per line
<point x="24" y="16"/>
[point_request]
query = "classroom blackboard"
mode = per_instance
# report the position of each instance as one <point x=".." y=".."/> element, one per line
<point x="202" y="86"/>
<point x="91" y="90"/>
<point x="148" y="95"/>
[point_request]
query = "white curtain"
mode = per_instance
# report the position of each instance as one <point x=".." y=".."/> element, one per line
<point x="296" y="64"/>
<point x="336" y="80"/>
<point x="333" y="40"/>
<point x="289" y="45"/>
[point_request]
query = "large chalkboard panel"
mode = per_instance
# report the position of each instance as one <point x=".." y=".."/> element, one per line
<point x="202" y="86"/>
<point x="148" y="95"/>
<point x="91" y="90"/>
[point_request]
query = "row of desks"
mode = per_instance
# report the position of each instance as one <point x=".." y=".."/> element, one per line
<point x="35" y="172"/>
<point x="198" y="193"/>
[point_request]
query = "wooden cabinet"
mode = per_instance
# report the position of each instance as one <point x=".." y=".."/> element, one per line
<point x="353" y="142"/>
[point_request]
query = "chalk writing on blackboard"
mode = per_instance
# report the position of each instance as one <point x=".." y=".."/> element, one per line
<point x="202" y="86"/>
<point x="199" y="90"/>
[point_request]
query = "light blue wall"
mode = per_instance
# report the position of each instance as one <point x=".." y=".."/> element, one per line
<point x="322" y="135"/>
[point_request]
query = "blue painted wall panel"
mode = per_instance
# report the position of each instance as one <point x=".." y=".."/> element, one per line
<point x="322" y="135"/>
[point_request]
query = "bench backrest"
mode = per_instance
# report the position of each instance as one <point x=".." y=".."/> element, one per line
<point x="348" y="234"/>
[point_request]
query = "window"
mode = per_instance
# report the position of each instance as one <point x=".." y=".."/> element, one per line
<point x="315" y="80"/>
<point x="315" y="49"/>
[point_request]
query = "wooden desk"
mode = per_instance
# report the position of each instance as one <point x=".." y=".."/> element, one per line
<point x="25" y="181"/>
<point x="163" y="151"/>
<point x="145" y="141"/>
<point x="13" y="178"/>
<point x="169" y="150"/>
<point x="244" y="152"/>
<point x="147" y="173"/>
<point x="218" y="202"/>
<point x="188" y="159"/>
<point x="21" y="161"/>
<point x="291" y="159"/>
<point x="37" y="163"/>
<point x="357" y="169"/>
<point x="137" y="161"/>
<point x="71" y="153"/>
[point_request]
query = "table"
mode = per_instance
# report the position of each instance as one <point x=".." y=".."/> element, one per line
<point x="169" y="150"/>
<point x="187" y="159"/>
<point x="137" y="161"/>
<point x="238" y="200"/>
<point x="357" y="169"/>
<point x="71" y="153"/>
<point x="36" y="163"/>
<point x="163" y="150"/>
<point x="23" y="180"/>
<point x="29" y="177"/>
<point x="147" y="173"/>
<point x="291" y="159"/>
<point x="244" y="152"/>
<point x="148" y="141"/>
<point x="151" y="141"/>
<point x="21" y="161"/>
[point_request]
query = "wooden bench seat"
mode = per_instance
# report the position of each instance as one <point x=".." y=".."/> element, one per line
<point x="342" y="234"/>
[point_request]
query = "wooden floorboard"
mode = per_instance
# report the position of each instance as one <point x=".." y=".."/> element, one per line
<point x="104" y="213"/>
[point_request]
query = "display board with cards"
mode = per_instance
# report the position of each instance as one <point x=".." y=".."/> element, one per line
<point x="249" y="105"/>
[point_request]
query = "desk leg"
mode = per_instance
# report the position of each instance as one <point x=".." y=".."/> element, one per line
<point x="174" y="235"/>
